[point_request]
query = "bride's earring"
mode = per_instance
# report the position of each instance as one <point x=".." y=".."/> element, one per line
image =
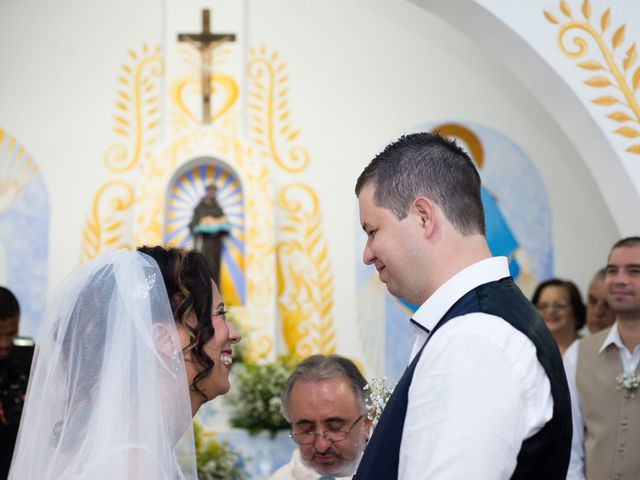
<point x="168" y="345"/>
<point x="175" y="357"/>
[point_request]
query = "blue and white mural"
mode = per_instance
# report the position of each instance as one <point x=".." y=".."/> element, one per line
<point x="24" y="231"/>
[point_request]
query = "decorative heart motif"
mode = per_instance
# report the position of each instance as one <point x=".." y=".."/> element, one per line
<point x="224" y="93"/>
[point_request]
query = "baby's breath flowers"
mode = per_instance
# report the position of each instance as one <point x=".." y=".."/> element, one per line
<point x="630" y="382"/>
<point x="379" y="393"/>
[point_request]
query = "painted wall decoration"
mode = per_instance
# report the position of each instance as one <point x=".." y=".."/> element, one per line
<point x="518" y="221"/>
<point x="611" y="65"/>
<point x="184" y="193"/>
<point x="186" y="88"/>
<point x="276" y="269"/>
<point x="270" y="116"/>
<point x="500" y="236"/>
<point x="305" y="283"/>
<point x="24" y="231"/>
<point x="136" y="124"/>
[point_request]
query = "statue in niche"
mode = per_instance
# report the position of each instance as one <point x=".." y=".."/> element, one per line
<point x="208" y="226"/>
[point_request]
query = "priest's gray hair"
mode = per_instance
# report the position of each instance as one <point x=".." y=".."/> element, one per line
<point x="317" y="368"/>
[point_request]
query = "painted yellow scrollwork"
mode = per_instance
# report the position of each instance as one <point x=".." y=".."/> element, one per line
<point x="223" y="87"/>
<point x="108" y="226"/>
<point x="17" y="168"/>
<point x="269" y="116"/>
<point x="185" y="91"/>
<point x="150" y="196"/>
<point x="260" y="246"/>
<point x="293" y="276"/>
<point x="305" y="284"/>
<point x="613" y="71"/>
<point x="138" y="104"/>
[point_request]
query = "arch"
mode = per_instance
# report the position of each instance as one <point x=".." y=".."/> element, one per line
<point x="24" y="231"/>
<point x="546" y="85"/>
<point x="184" y="190"/>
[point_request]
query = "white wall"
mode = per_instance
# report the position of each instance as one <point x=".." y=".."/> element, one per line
<point x="361" y="73"/>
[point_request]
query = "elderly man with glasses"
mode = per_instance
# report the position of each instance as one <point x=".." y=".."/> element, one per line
<point x="325" y="403"/>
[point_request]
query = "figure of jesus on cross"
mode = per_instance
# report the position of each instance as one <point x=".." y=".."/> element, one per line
<point x="205" y="42"/>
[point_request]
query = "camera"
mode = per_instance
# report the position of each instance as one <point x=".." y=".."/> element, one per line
<point x="14" y="377"/>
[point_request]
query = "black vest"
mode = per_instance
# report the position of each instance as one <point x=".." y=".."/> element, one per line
<point x="543" y="456"/>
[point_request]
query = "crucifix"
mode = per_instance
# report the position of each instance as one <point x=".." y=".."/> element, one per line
<point x="205" y="42"/>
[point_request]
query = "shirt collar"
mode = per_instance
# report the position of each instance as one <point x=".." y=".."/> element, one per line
<point x="437" y="305"/>
<point x="612" y="338"/>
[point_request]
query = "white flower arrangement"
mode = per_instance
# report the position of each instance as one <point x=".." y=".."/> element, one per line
<point x="379" y="393"/>
<point x="630" y="382"/>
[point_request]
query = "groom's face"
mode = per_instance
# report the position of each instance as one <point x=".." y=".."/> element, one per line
<point x="395" y="247"/>
<point x="329" y="405"/>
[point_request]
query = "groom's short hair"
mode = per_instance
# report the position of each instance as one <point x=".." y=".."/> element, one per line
<point x="430" y="165"/>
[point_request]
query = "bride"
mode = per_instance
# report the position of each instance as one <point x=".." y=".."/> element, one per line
<point x="133" y="343"/>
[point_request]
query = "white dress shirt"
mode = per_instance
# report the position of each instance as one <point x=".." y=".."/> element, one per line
<point x="628" y="360"/>
<point x="478" y="390"/>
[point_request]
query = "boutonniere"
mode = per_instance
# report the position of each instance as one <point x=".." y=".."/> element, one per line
<point x="379" y="393"/>
<point x="630" y="382"/>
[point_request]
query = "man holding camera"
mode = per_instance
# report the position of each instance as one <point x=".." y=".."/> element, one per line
<point x="15" y="363"/>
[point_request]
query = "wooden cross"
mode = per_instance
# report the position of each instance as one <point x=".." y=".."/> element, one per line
<point x="205" y="42"/>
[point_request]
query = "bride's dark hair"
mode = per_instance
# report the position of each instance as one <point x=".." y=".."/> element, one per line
<point x="188" y="280"/>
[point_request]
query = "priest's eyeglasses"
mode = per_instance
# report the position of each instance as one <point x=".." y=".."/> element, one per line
<point x="331" y="435"/>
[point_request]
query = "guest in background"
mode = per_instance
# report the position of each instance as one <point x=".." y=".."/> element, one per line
<point x="15" y="363"/>
<point x="603" y="371"/>
<point x="560" y="304"/>
<point x="9" y="321"/>
<point x="325" y="402"/>
<point x="599" y="315"/>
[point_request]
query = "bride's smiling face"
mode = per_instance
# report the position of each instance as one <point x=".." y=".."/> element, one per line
<point x="218" y="348"/>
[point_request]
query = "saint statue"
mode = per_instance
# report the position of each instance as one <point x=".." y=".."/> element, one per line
<point x="208" y="227"/>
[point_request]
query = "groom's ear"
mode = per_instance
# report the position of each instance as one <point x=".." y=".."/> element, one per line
<point x="164" y="340"/>
<point x="368" y="424"/>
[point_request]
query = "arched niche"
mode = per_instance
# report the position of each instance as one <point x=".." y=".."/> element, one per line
<point x="184" y="190"/>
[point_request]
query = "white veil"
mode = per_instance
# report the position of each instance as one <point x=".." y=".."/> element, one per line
<point x="108" y="396"/>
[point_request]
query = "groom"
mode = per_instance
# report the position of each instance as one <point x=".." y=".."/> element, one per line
<point x="485" y="394"/>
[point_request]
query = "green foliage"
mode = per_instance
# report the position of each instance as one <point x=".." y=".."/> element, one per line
<point x="239" y="349"/>
<point x="257" y="397"/>
<point x="217" y="461"/>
